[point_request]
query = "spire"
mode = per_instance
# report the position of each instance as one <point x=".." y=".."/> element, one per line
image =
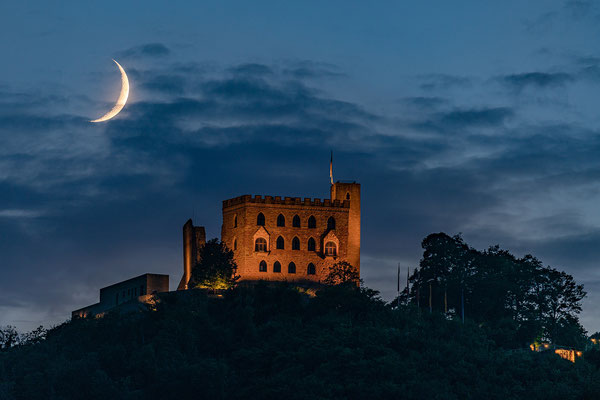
<point x="331" y="168"/>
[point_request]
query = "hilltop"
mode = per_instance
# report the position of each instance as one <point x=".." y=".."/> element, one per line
<point x="277" y="342"/>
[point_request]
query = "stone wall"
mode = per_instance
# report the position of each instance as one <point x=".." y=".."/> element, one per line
<point x="240" y="230"/>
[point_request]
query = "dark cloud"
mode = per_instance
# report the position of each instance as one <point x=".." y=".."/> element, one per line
<point x="146" y="50"/>
<point x="251" y="69"/>
<point x="312" y="70"/>
<point x="461" y="119"/>
<point x="519" y="82"/>
<point x="101" y="203"/>
<point x="434" y="82"/>
<point x="578" y="9"/>
<point x="424" y="103"/>
<point x="170" y="84"/>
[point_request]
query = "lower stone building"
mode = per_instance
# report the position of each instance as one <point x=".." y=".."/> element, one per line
<point x="130" y="292"/>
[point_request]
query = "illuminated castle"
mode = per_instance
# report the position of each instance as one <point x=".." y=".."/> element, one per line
<point x="284" y="239"/>
<point x="273" y="239"/>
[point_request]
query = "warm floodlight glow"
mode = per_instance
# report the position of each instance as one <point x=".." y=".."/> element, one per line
<point x="122" y="97"/>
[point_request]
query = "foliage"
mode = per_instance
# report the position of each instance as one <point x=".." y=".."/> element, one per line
<point x="342" y="272"/>
<point x="9" y="337"/>
<point x="517" y="300"/>
<point x="273" y="342"/>
<point x="216" y="269"/>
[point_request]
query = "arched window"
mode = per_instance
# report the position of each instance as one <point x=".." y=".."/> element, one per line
<point x="311" y="270"/>
<point x="235" y="244"/>
<point x="291" y="268"/>
<point x="280" y="220"/>
<point x="347" y="196"/>
<point x="312" y="245"/>
<point x="331" y="223"/>
<point x="277" y="267"/>
<point x="260" y="244"/>
<point x="280" y="243"/>
<point x="262" y="267"/>
<point x="330" y="249"/>
<point x="296" y="221"/>
<point x="312" y="222"/>
<point x="260" y="220"/>
<point x="235" y="221"/>
<point x="295" y="243"/>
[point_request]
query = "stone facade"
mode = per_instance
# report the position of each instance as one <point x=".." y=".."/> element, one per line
<point x="272" y="238"/>
<point x="130" y="291"/>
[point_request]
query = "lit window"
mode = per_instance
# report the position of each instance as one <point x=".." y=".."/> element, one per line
<point x="295" y="244"/>
<point x="262" y="267"/>
<point x="296" y="221"/>
<point x="311" y="270"/>
<point x="260" y="219"/>
<point x="312" y="245"/>
<point x="312" y="222"/>
<point x="260" y="245"/>
<point x="291" y="268"/>
<point x="277" y="267"/>
<point x="280" y="243"/>
<point x="331" y="223"/>
<point x="280" y="220"/>
<point x="330" y="249"/>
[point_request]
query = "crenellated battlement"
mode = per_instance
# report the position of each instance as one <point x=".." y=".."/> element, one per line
<point x="297" y="201"/>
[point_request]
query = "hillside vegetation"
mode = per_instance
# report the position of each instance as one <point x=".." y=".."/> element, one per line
<point x="276" y="342"/>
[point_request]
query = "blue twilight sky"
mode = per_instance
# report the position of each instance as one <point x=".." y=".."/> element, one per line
<point x="460" y="116"/>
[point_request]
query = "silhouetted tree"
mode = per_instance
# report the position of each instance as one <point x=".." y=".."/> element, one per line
<point x="9" y="337"/>
<point x="35" y="336"/>
<point x="342" y="272"/>
<point x="216" y="269"/>
<point x="517" y="300"/>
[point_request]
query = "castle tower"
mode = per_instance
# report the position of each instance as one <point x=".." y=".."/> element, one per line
<point x="194" y="237"/>
<point x="350" y="192"/>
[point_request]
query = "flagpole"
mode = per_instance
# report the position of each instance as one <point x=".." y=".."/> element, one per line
<point x="398" y="288"/>
<point x="430" y="304"/>
<point x="331" y="168"/>
<point x="407" y="288"/>
<point x="462" y="303"/>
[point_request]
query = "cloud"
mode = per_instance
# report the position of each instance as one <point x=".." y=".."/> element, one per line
<point x="461" y="119"/>
<point x="150" y="50"/>
<point x="433" y="82"/>
<point x="251" y="69"/>
<point x="16" y="213"/>
<point x="519" y="82"/>
<point x="114" y="196"/>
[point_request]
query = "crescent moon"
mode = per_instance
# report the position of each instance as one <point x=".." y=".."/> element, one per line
<point x="122" y="97"/>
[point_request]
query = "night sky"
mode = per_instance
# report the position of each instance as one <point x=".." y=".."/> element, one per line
<point x="462" y="117"/>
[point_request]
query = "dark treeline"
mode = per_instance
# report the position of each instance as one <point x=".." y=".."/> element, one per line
<point x="277" y="341"/>
<point x="517" y="300"/>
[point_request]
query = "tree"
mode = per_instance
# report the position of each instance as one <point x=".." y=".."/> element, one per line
<point x="9" y="337"/>
<point x="517" y="300"/>
<point x="342" y="272"/>
<point x="561" y="297"/>
<point x="35" y="336"/>
<point x="216" y="269"/>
